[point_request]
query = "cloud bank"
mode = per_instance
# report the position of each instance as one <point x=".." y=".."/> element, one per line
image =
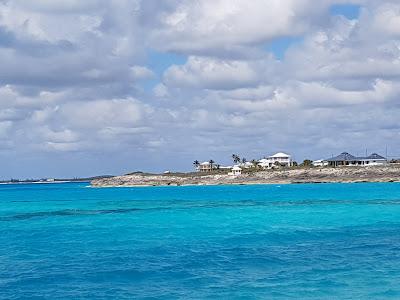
<point x="89" y="87"/>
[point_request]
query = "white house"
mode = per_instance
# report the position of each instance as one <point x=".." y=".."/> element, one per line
<point x="374" y="160"/>
<point x="247" y="165"/>
<point x="281" y="159"/>
<point x="320" y="163"/>
<point x="225" y="167"/>
<point x="236" y="171"/>
<point x="346" y="159"/>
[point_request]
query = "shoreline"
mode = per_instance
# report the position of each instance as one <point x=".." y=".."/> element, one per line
<point x="241" y="184"/>
<point x="388" y="173"/>
<point x="44" y="182"/>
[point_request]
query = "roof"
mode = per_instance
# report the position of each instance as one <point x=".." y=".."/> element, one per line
<point x="375" y="156"/>
<point x="206" y="163"/>
<point x="344" y="156"/>
<point x="348" y="157"/>
<point x="280" y="154"/>
<point x="236" y="168"/>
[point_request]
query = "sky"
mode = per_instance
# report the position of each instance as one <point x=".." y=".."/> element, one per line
<point x="113" y="86"/>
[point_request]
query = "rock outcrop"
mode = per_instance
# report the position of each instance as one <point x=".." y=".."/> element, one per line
<point x="389" y="173"/>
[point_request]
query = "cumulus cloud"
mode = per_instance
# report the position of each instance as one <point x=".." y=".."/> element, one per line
<point x="209" y="73"/>
<point x="206" y="25"/>
<point x="141" y="72"/>
<point x="84" y="47"/>
<point x="78" y="82"/>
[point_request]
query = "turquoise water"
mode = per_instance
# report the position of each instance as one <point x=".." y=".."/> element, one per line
<point x="316" y="241"/>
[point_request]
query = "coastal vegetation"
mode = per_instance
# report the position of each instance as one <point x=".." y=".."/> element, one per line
<point x="307" y="163"/>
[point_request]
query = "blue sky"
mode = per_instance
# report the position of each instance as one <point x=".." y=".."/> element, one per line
<point x="350" y="11"/>
<point x="159" y="61"/>
<point x="153" y="85"/>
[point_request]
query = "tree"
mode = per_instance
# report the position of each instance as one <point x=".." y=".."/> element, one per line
<point x="211" y="163"/>
<point x="236" y="158"/>
<point x="244" y="160"/>
<point x="307" y="163"/>
<point x="255" y="163"/>
<point x="196" y="164"/>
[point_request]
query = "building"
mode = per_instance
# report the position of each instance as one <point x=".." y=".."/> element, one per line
<point x="225" y="167"/>
<point x="206" y="167"/>
<point x="375" y="159"/>
<point x="278" y="159"/>
<point x="346" y="159"/>
<point x="247" y="165"/>
<point x="320" y="163"/>
<point x="236" y="171"/>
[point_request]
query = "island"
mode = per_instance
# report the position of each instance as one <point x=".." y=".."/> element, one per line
<point x="343" y="174"/>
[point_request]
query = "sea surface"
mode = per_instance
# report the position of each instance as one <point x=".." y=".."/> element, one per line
<point x="311" y="241"/>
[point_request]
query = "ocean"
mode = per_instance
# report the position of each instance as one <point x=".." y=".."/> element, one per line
<point x="306" y="241"/>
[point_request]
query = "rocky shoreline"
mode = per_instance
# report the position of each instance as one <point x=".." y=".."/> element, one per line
<point x="389" y="173"/>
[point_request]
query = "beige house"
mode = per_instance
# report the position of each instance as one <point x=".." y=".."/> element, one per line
<point x="206" y="167"/>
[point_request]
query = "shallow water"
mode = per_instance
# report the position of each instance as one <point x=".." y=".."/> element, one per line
<point x="316" y="241"/>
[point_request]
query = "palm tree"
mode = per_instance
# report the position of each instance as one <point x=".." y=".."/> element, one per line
<point x="211" y="163"/>
<point x="196" y="163"/>
<point x="236" y="158"/>
<point x="244" y="160"/>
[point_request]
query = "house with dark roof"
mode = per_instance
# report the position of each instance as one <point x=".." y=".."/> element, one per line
<point x="346" y="159"/>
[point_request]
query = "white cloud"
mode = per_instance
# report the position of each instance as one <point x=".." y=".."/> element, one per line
<point x="385" y="18"/>
<point x="83" y="88"/>
<point x="160" y="91"/>
<point x="103" y="113"/>
<point x="209" y="73"/>
<point x="141" y="72"/>
<point x="206" y="25"/>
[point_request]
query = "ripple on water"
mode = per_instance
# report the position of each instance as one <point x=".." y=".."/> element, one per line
<point x="301" y="242"/>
